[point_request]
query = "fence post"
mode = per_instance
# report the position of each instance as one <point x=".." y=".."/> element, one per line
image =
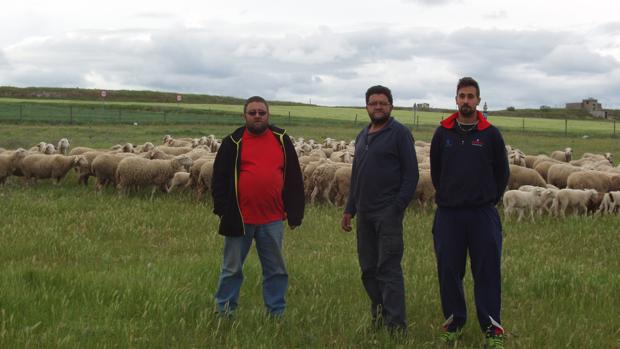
<point x="289" y="117"/>
<point x="523" y="127"/>
<point x="355" y="122"/>
<point x="70" y="114"/>
<point x="614" y="127"/>
<point x="565" y="127"/>
<point x="21" y="107"/>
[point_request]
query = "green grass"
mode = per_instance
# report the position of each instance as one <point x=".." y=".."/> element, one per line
<point x="89" y="112"/>
<point x="86" y="270"/>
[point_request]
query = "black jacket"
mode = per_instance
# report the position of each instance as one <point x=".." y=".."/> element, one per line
<point x="226" y="177"/>
<point x="468" y="170"/>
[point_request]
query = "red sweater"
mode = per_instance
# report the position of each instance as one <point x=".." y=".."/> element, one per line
<point x="261" y="178"/>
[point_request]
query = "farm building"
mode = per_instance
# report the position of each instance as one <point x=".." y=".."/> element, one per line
<point x="590" y="105"/>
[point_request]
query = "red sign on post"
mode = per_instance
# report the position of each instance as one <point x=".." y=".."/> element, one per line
<point x="179" y="98"/>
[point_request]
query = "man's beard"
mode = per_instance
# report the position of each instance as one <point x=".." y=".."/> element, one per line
<point x="379" y="120"/>
<point x="257" y="129"/>
<point x="466" y="110"/>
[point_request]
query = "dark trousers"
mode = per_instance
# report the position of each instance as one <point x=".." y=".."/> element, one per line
<point x="455" y="233"/>
<point x="380" y="251"/>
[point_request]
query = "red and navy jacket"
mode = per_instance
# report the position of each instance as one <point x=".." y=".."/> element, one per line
<point x="468" y="169"/>
<point x="224" y="182"/>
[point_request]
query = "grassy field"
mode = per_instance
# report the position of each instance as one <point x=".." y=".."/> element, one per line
<point x="84" y="112"/>
<point x="85" y="270"/>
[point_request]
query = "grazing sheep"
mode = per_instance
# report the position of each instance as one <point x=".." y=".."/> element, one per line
<point x="341" y="156"/>
<point x="606" y="156"/>
<point x="80" y="150"/>
<point x="179" y="180"/>
<point x="307" y="174"/>
<point x="194" y="171"/>
<point x="9" y="161"/>
<point x="610" y="203"/>
<point x="136" y="172"/>
<point x="144" y="148"/>
<point x="322" y="178"/>
<point x="40" y="147"/>
<point x="519" y="201"/>
<point x="179" y="143"/>
<point x="558" y="174"/>
<point x="522" y="175"/>
<point x="575" y="199"/>
<point x="63" y="146"/>
<point x="562" y="155"/>
<point x="50" y="166"/>
<point x="174" y="150"/>
<point x="596" y="180"/>
<point x="342" y="184"/>
<point x="104" y="166"/>
<point x="425" y="190"/>
<point x="203" y="184"/>
<point x="542" y="167"/>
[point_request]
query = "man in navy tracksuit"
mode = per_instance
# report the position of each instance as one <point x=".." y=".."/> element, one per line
<point x="469" y="169"/>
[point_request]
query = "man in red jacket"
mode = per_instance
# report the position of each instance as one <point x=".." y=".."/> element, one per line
<point x="257" y="184"/>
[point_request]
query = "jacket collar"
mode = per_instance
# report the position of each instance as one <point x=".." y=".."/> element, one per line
<point x="449" y="123"/>
<point x="386" y="127"/>
<point x="238" y="133"/>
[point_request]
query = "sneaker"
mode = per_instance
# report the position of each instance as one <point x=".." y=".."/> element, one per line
<point x="449" y="337"/>
<point x="494" y="338"/>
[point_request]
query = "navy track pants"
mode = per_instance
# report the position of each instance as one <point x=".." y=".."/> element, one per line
<point x="477" y="231"/>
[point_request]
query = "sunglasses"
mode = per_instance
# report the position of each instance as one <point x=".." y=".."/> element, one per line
<point x="259" y="112"/>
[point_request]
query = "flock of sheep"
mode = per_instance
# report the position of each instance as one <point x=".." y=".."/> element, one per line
<point x="553" y="184"/>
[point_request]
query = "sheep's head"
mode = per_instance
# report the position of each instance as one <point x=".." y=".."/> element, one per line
<point x="128" y="148"/>
<point x="41" y="146"/>
<point x="166" y="138"/>
<point x="116" y="147"/>
<point x="609" y="157"/>
<point x="80" y="161"/>
<point x="20" y="153"/>
<point x="148" y="146"/>
<point x="182" y="161"/>
<point x="49" y="149"/>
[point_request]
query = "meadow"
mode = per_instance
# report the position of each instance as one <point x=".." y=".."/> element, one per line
<point x="104" y="271"/>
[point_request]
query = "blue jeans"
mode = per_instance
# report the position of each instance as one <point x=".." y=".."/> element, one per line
<point x="275" y="278"/>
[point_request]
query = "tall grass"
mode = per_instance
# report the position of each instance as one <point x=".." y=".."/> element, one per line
<point x="79" y="269"/>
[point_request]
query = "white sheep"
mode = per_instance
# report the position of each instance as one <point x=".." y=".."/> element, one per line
<point x="203" y="183"/>
<point x="575" y="199"/>
<point x="50" y="166"/>
<point x="63" y="146"/>
<point x="610" y="203"/>
<point x="341" y="185"/>
<point x="519" y="201"/>
<point x="9" y="161"/>
<point x="558" y="174"/>
<point x="104" y="166"/>
<point x="520" y="175"/>
<point x="179" y="180"/>
<point x="137" y="172"/>
<point x="425" y="190"/>
<point x="563" y="155"/>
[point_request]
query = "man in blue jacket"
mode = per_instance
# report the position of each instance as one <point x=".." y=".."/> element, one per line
<point x="383" y="181"/>
<point x="469" y="169"/>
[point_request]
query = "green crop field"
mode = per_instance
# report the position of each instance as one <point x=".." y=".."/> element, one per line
<point x="86" y="270"/>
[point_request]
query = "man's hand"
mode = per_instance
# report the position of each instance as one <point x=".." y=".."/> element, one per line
<point x="345" y="224"/>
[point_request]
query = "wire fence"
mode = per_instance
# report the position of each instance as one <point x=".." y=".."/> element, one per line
<point x="120" y="114"/>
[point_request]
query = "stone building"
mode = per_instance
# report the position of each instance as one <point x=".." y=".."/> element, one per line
<point x="591" y="105"/>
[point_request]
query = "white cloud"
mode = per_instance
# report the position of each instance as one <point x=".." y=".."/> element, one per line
<point x="325" y="50"/>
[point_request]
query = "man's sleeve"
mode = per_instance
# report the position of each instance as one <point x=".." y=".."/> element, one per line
<point x="501" y="168"/>
<point x="408" y="168"/>
<point x="220" y="182"/>
<point x="436" y="159"/>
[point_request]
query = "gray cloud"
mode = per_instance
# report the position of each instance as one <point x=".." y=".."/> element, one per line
<point x="520" y="68"/>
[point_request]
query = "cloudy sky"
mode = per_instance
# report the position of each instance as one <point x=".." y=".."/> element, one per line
<point x="524" y="53"/>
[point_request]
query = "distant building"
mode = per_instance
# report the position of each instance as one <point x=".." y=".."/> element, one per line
<point x="590" y="105"/>
<point x="422" y="106"/>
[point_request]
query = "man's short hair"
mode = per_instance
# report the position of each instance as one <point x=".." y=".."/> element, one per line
<point x="379" y="90"/>
<point x="255" y="99"/>
<point x="468" y="81"/>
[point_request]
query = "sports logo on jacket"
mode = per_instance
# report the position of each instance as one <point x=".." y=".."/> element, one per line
<point x="477" y="142"/>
